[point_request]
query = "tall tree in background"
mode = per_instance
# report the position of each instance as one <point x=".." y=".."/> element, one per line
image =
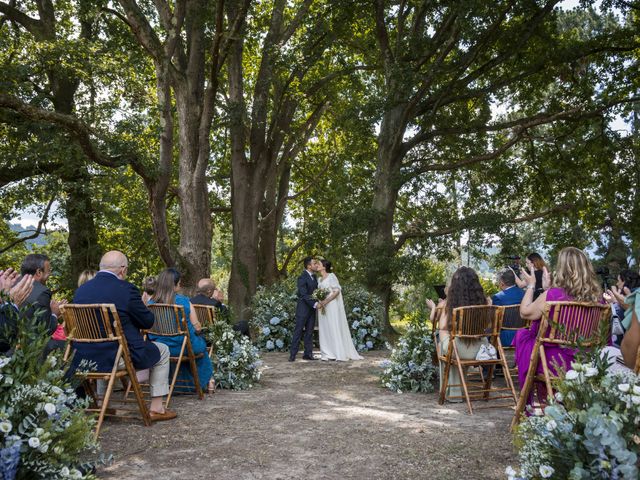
<point x="447" y="68"/>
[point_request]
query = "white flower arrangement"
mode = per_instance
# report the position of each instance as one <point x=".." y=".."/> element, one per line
<point x="43" y="427"/>
<point x="236" y="361"/>
<point x="588" y="431"/>
<point x="410" y="367"/>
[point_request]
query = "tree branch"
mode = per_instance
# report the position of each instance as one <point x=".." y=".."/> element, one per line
<point x="32" y="25"/>
<point x="465" y="223"/>
<point x="36" y="233"/>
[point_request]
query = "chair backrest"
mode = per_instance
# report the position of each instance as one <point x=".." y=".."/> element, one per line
<point x="206" y="314"/>
<point x="93" y="323"/>
<point x="169" y="321"/>
<point x="475" y="321"/>
<point x="435" y="325"/>
<point x="564" y="323"/>
<point x="511" y="319"/>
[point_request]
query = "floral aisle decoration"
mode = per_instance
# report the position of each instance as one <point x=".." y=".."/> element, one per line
<point x="364" y="314"/>
<point x="43" y="428"/>
<point x="236" y="362"/>
<point x="410" y="367"/>
<point x="274" y="312"/>
<point x="588" y="431"/>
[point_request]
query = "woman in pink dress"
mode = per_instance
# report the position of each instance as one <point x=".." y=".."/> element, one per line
<point x="574" y="280"/>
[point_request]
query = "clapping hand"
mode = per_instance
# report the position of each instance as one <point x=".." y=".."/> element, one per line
<point x="527" y="278"/>
<point x="7" y="279"/>
<point x="21" y="290"/>
<point x="519" y="282"/>
<point x="546" y="279"/>
<point x="55" y="306"/>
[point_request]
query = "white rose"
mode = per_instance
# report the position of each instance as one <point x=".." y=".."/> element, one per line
<point x="559" y="397"/>
<point x="576" y="366"/>
<point x="5" y="426"/>
<point x="34" y="442"/>
<point x="39" y="431"/>
<point x="636" y="389"/>
<point x="551" y="425"/>
<point x="572" y="375"/>
<point x="50" y="408"/>
<point x="624" y="387"/>
<point x="510" y="471"/>
<point x="635" y="399"/>
<point x="591" y="372"/>
<point x="64" y="471"/>
<point x="546" y="471"/>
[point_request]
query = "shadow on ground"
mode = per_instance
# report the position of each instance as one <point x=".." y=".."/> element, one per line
<point x="314" y="420"/>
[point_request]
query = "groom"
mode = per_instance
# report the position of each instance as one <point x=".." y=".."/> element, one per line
<point x="305" y="310"/>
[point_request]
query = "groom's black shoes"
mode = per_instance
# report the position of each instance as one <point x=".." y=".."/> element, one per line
<point x="305" y="357"/>
<point x="292" y="359"/>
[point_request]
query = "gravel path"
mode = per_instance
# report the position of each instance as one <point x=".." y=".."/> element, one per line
<point x="313" y="420"/>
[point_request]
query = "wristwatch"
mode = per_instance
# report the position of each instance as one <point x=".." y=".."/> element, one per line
<point x="530" y="287"/>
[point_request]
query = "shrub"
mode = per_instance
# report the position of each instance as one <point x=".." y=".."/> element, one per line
<point x="364" y="315"/>
<point x="589" y="430"/>
<point x="236" y="361"/>
<point x="410" y="367"/>
<point x="274" y="312"/>
<point x="43" y="427"/>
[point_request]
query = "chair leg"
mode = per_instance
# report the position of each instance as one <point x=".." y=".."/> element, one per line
<point x="107" y="395"/>
<point x="175" y="373"/>
<point x="507" y="373"/>
<point x="546" y="372"/>
<point x="526" y="388"/>
<point x="462" y="379"/>
<point x="445" y="379"/>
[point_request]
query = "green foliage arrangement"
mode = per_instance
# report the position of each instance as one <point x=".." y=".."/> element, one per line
<point x="410" y="367"/>
<point x="274" y="311"/>
<point x="364" y="314"/>
<point x="589" y="431"/>
<point x="236" y="361"/>
<point x="43" y="428"/>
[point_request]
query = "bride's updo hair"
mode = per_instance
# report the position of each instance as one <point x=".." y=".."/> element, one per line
<point x="327" y="265"/>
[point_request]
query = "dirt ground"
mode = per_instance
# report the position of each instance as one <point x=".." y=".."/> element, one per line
<point x="313" y="420"/>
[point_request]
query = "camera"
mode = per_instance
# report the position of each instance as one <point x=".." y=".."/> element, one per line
<point x="514" y="264"/>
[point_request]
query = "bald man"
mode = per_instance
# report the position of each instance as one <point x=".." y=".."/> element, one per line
<point x="209" y="294"/>
<point x="110" y="286"/>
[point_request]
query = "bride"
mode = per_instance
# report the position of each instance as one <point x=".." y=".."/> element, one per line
<point x="335" y="338"/>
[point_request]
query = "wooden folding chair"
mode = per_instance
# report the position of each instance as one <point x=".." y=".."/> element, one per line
<point x="170" y="321"/>
<point x="100" y="324"/>
<point x="564" y="324"/>
<point x="475" y="323"/>
<point x="512" y="321"/>
<point x="206" y="316"/>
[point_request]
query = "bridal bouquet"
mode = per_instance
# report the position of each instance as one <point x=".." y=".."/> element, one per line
<point x="320" y="294"/>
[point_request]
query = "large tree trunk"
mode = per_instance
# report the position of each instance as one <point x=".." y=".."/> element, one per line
<point x="380" y="268"/>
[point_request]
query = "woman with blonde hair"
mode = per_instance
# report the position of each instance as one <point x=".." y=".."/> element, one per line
<point x="574" y="280"/>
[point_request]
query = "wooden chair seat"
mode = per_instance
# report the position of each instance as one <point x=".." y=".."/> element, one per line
<point x="100" y="323"/>
<point x="564" y="324"/>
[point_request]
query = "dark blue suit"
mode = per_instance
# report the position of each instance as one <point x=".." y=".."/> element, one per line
<point x="511" y="296"/>
<point x="305" y="315"/>
<point x="133" y="313"/>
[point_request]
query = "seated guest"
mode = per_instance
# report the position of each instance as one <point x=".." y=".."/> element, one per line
<point x="167" y="286"/>
<point x="509" y="294"/>
<point x="149" y="288"/>
<point x="109" y="286"/>
<point x="464" y="290"/>
<point x="48" y="310"/>
<point x="625" y="357"/>
<point x="208" y="294"/>
<point x="628" y="282"/>
<point x="575" y="280"/>
<point x="14" y="295"/>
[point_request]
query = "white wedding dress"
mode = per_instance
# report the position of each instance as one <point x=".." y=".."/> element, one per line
<point x="335" y="337"/>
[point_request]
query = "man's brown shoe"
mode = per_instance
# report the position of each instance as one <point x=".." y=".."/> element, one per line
<point x="159" y="417"/>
